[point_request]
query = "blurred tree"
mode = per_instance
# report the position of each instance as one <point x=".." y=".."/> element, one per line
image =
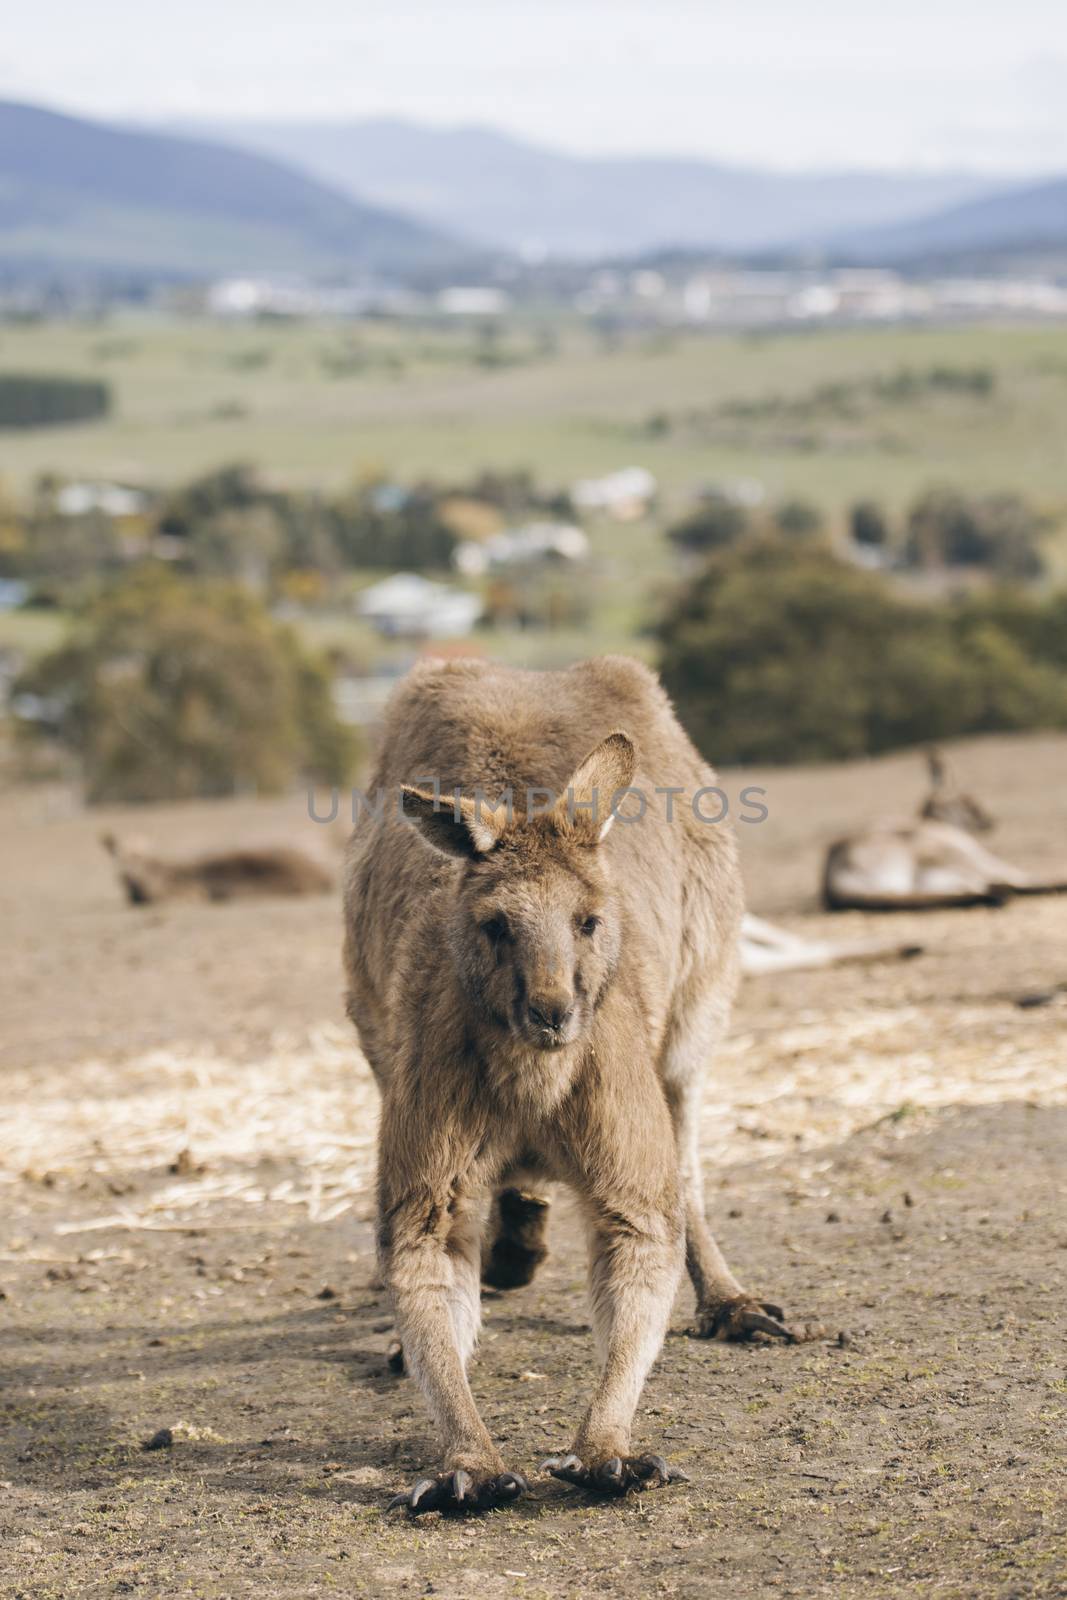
<point x="245" y="543"/>
<point x="798" y="518"/>
<point x="999" y="531"/>
<point x="63" y="555"/>
<point x="715" y="524"/>
<point x="170" y="689"/>
<point x="868" y="524"/>
<point x="234" y="486"/>
<point x="779" y="652"/>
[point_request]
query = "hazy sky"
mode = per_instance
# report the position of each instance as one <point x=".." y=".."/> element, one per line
<point x="827" y="83"/>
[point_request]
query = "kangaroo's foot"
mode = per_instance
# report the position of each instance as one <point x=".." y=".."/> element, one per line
<point x="741" y="1318"/>
<point x="615" y="1476"/>
<point x="460" y="1491"/>
<point x="518" y="1247"/>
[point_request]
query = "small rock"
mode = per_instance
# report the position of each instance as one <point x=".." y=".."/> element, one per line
<point x="161" y="1440"/>
<point x="326" y="1293"/>
<point x="887" y="1216"/>
<point x="735" y="1211"/>
<point x="908" y="1201"/>
<point x="833" y="1216"/>
<point x="844" y="1340"/>
<point x="1036" y="997"/>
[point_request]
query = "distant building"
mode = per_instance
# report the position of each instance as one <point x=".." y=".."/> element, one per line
<point x="473" y="301"/>
<point x="112" y="499"/>
<point x="624" y="495"/>
<point x="407" y="606"/>
<point x="534" y="542"/>
<point x="295" y="297"/>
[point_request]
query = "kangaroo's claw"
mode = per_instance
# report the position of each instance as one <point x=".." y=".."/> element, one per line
<point x="617" y="1475"/>
<point x="741" y="1318"/>
<point x="460" y="1491"/>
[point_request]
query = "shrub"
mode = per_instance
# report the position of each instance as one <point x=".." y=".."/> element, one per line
<point x="798" y="518"/>
<point x="779" y="652"/>
<point x="171" y="689"/>
<point x="38" y="400"/>
<point x="868" y="524"/>
<point x="714" y="525"/>
<point x="998" y="531"/>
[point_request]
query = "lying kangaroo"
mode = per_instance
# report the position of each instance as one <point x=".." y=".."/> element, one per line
<point x="921" y="866"/>
<point x="538" y="997"/>
<point x="926" y="864"/>
<point x="227" y="875"/>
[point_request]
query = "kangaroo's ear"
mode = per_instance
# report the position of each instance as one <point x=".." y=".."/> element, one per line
<point x="470" y="829"/>
<point x="583" y="810"/>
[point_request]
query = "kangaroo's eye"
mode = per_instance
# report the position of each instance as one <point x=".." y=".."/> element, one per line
<point x="589" y="926"/>
<point x="495" y="930"/>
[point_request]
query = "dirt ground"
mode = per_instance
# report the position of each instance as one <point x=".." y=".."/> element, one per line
<point x="186" y="1152"/>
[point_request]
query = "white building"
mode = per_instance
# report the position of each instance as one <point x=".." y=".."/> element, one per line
<point x="79" y="499"/>
<point x="407" y="606"/>
<point x="625" y="494"/>
<point x="533" y="542"/>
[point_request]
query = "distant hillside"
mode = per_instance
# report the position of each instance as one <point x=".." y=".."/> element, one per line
<point x="80" y="194"/>
<point x="1029" y="220"/>
<point x="514" y="195"/>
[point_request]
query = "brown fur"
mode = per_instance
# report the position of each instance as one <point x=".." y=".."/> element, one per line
<point x="227" y="875"/>
<point x="537" y="1005"/>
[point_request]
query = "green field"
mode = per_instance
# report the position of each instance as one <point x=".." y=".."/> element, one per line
<point x="318" y="403"/>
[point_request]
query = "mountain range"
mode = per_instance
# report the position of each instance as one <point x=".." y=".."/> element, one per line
<point x="521" y="197"/>
<point x="399" y="199"/>
<point x="1031" y="220"/>
<point x="87" y="196"/>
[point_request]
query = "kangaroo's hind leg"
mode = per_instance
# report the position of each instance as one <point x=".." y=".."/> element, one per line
<point x="635" y="1225"/>
<point x="725" y="1310"/>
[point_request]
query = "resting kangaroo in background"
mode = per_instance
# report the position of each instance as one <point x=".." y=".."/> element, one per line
<point x="929" y="864"/>
<point x="946" y="802"/>
<point x="227" y="875"/>
<point x="923" y="866"/>
<point x="538" y="999"/>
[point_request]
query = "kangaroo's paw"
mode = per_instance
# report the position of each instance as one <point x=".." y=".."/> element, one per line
<point x="460" y="1491"/>
<point x="615" y="1476"/>
<point x="744" y="1318"/>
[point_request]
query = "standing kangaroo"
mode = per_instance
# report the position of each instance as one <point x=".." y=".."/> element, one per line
<point x="538" y="998"/>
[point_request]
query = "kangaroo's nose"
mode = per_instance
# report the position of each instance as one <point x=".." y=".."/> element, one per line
<point x="550" y="1011"/>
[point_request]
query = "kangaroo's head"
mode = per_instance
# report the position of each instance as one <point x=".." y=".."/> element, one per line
<point x="947" y="803"/>
<point x="534" y="930"/>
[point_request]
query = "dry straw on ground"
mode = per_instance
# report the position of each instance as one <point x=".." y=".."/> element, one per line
<point x="296" y="1129"/>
